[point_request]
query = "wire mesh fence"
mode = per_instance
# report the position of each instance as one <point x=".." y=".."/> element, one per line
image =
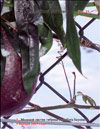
<point x="69" y="104"/>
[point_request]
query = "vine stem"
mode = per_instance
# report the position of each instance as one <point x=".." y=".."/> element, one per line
<point x="69" y="105"/>
<point x="74" y="84"/>
<point x="67" y="80"/>
<point x="62" y="63"/>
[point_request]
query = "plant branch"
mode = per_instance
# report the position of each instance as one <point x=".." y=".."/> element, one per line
<point x="55" y="116"/>
<point x="74" y="84"/>
<point x="69" y="105"/>
<point x="67" y="80"/>
<point x="59" y="52"/>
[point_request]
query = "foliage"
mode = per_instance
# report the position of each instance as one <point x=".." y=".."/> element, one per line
<point x="86" y="98"/>
<point x="25" y="38"/>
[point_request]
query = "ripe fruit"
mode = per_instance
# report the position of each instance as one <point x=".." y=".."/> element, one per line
<point x="13" y="95"/>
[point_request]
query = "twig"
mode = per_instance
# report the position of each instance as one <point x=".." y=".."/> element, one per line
<point x="74" y="84"/>
<point x="69" y="105"/>
<point x="55" y="116"/>
<point x="67" y="80"/>
<point x="61" y="50"/>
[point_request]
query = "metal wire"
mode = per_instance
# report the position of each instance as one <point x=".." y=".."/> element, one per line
<point x="89" y="123"/>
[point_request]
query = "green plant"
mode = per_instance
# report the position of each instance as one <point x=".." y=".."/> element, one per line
<point x="25" y="36"/>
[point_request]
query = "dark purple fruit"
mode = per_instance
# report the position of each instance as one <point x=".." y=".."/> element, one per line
<point x="13" y="95"/>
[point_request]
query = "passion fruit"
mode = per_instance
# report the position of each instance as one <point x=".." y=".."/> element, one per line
<point x="13" y="96"/>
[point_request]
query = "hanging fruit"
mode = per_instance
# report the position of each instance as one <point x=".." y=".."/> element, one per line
<point x="19" y="70"/>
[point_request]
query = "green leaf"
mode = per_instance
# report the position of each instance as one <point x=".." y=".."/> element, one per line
<point x="79" y="93"/>
<point x="29" y="41"/>
<point x="91" y="101"/>
<point x="45" y="36"/>
<point x="84" y="98"/>
<point x="8" y="3"/>
<point x="52" y="15"/>
<point x="90" y="4"/>
<point x="80" y="4"/>
<point x="87" y="98"/>
<point x="72" y="40"/>
<point x="9" y="16"/>
<point x="30" y="56"/>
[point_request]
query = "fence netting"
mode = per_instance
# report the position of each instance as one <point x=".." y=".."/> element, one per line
<point x="6" y="121"/>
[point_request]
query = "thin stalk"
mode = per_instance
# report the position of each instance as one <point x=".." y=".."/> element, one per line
<point x="59" y="52"/>
<point x="74" y="85"/>
<point x="67" y="80"/>
<point x="69" y="105"/>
